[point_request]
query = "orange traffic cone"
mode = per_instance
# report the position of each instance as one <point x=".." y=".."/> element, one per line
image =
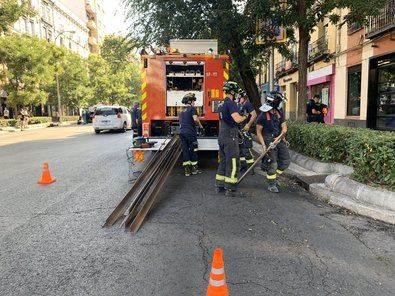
<point x="217" y="284"/>
<point x="46" y="177"/>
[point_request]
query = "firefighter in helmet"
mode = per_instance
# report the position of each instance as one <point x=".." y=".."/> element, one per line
<point x="246" y="107"/>
<point x="188" y="120"/>
<point x="271" y="128"/>
<point x="228" y="140"/>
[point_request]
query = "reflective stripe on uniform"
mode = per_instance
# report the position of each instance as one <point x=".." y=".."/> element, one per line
<point x="231" y="180"/>
<point x="196" y="150"/>
<point x="271" y="177"/>
<point x="186" y="163"/>
<point x="217" y="283"/>
<point x="249" y="161"/>
<point x="194" y="162"/>
<point x="234" y="169"/>
<point x="242" y="159"/>
<point x="219" y="177"/>
<point x="280" y="172"/>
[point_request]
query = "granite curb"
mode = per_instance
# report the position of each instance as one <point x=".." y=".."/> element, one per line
<point x="339" y="190"/>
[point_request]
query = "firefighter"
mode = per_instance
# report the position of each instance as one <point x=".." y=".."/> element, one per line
<point x="188" y="119"/>
<point x="271" y="127"/>
<point x="246" y="107"/>
<point x="228" y="140"/>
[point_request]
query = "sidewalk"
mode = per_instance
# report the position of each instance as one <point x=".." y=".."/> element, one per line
<point x="4" y="130"/>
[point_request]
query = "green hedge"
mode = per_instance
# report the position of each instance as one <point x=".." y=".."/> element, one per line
<point x="371" y="153"/>
<point x="68" y="118"/>
<point x="39" y="120"/>
<point x="7" y="122"/>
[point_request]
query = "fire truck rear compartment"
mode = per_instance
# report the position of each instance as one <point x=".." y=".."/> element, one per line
<point x="164" y="128"/>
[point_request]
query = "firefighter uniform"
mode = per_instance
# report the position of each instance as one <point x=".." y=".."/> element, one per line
<point x="277" y="159"/>
<point x="246" y="156"/>
<point x="188" y="137"/>
<point x="228" y="140"/>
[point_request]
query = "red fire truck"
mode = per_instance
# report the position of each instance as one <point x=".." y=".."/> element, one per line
<point x="194" y="67"/>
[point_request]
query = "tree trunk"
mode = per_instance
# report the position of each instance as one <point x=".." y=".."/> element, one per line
<point x="304" y="38"/>
<point x="246" y="73"/>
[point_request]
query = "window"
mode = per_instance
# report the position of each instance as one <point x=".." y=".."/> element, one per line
<point x="32" y="28"/>
<point x="26" y="23"/>
<point x="354" y="91"/>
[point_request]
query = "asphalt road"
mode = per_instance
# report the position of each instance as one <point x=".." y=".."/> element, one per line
<point x="52" y="243"/>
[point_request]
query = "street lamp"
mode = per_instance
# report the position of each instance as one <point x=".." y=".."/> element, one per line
<point x="57" y="74"/>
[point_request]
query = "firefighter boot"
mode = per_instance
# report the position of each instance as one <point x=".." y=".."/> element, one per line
<point x="187" y="170"/>
<point x="195" y="170"/>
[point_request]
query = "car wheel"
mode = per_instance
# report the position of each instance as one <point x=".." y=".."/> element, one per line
<point x="97" y="131"/>
<point x="124" y="127"/>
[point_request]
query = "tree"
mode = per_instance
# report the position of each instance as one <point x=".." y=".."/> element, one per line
<point x="11" y="11"/>
<point x="73" y="74"/>
<point x="26" y="69"/>
<point x="303" y="16"/>
<point x="158" y="21"/>
<point x="114" y="73"/>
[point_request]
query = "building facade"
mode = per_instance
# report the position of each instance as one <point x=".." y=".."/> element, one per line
<point x="56" y="23"/>
<point x="351" y="68"/>
<point x="95" y="14"/>
<point x="365" y="78"/>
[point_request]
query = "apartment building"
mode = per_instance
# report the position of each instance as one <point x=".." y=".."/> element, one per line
<point x="95" y="14"/>
<point x="365" y="74"/>
<point x="56" y="23"/>
<point x="351" y="68"/>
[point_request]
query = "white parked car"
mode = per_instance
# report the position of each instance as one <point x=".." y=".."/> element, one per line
<point x="112" y="118"/>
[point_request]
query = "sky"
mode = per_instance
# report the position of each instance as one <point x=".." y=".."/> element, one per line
<point x="115" y="17"/>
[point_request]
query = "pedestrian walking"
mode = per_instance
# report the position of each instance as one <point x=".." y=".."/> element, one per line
<point x="24" y="118"/>
<point x="228" y="140"/>
<point x="271" y="128"/>
<point x="188" y="120"/>
<point x="246" y="107"/>
<point x="6" y="113"/>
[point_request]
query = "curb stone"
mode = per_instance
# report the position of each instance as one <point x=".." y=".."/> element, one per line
<point x="340" y="190"/>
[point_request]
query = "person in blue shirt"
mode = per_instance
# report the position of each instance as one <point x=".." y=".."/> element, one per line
<point x="246" y="107"/>
<point x="188" y="119"/>
<point x="228" y="140"/>
<point x="271" y="128"/>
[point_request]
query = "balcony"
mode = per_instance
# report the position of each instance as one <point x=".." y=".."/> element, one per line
<point x="318" y="49"/>
<point x="286" y="67"/>
<point x="92" y="41"/>
<point x="92" y="25"/>
<point x="89" y="7"/>
<point x="383" y="22"/>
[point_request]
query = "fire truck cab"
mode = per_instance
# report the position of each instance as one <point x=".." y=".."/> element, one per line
<point x="194" y="67"/>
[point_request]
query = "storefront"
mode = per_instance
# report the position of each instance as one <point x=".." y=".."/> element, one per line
<point x="381" y="104"/>
<point x="321" y="82"/>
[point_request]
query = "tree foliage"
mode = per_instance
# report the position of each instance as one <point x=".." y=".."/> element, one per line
<point x="158" y="21"/>
<point x="11" y="11"/>
<point x="114" y="73"/>
<point x="73" y="74"/>
<point x="26" y="69"/>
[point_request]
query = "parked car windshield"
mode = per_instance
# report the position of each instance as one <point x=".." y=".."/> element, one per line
<point x="108" y="111"/>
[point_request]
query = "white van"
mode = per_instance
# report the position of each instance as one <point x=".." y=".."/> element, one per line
<point x="111" y="118"/>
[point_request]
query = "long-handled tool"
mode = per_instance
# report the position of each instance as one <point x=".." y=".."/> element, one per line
<point x="272" y="146"/>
